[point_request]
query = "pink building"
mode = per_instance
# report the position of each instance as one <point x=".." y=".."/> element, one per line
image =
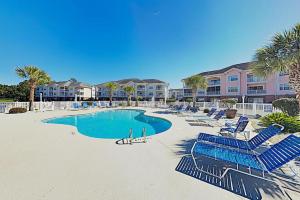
<point x="237" y="80"/>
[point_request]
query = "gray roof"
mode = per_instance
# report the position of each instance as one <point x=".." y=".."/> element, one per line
<point x="68" y="83"/>
<point x="134" y="80"/>
<point x="241" y="66"/>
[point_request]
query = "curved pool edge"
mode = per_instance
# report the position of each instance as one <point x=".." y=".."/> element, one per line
<point x="146" y="112"/>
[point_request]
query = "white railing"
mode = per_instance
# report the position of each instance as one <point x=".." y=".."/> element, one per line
<point x="246" y="108"/>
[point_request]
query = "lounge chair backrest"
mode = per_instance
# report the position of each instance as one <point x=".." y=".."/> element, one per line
<point x="84" y="104"/>
<point x="242" y="118"/>
<point x="188" y="108"/>
<point x="75" y="105"/>
<point x="281" y="153"/>
<point x="211" y="112"/>
<point x="264" y="135"/>
<point x="194" y="109"/>
<point x="219" y="115"/>
<point x="241" y="126"/>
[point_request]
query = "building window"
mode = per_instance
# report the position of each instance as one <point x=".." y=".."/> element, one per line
<point x="283" y="73"/>
<point x="233" y="78"/>
<point x="285" y="86"/>
<point x="233" y="89"/>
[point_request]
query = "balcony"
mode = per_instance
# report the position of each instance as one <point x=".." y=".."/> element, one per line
<point x="160" y="95"/>
<point x="255" y="79"/>
<point x="256" y="92"/>
<point x="214" y="82"/>
<point x="159" y="87"/>
<point x="187" y="94"/>
<point x="213" y="92"/>
<point x="139" y="88"/>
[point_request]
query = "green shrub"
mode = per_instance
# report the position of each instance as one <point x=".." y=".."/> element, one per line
<point x="171" y="100"/>
<point x="291" y="124"/>
<point x="17" y="110"/>
<point x="189" y="100"/>
<point x="206" y="110"/>
<point x="289" y="106"/>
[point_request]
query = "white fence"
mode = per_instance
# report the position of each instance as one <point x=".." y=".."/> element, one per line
<point x="67" y="105"/>
<point x="246" y="108"/>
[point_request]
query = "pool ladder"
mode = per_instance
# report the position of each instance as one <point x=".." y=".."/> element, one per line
<point x="130" y="140"/>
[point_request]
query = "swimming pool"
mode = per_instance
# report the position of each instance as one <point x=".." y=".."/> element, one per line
<point x="114" y="123"/>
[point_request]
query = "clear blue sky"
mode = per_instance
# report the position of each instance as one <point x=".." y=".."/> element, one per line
<point x="98" y="41"/>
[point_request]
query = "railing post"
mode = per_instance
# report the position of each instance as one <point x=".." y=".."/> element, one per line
<point x="130" y="136"/>
<point x="254" y="109"/>
<point x="144" y="135"/>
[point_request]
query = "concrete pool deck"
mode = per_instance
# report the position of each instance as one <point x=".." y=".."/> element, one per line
<point x="48" y="161"/>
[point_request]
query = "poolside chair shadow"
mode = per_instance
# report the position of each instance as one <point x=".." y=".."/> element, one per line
<point x="237" y="183"/>
<point x="234" y="182"/>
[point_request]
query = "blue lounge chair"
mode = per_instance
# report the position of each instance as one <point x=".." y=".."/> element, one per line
<point x="212" y="121"/>
<point x="231" y="124"/>
<point x="85" y="105"/>
<point x="75" y="106"/>
<point x="240" y="128"/>
<point x="252" y="144"/>
<point x="198" y="117"/>
<point x="266" y="162"/>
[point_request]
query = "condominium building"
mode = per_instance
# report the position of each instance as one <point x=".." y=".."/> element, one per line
<point x="145" y="89"/>
<point x="65" y="90"/>
<point x="237" y="81"/>
<point x="176" y="94"/>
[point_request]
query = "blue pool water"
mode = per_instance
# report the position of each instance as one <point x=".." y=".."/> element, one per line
<point x="114" y="123"/>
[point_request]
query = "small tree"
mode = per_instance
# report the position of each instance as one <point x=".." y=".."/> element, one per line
<point x="229" y="103"/>
<point x="195" y="82"/>
<point x="35" y="77"/>
<point x="129" y="90"/>
<point x="111" y="86"/>
<point x="289" y="106"/>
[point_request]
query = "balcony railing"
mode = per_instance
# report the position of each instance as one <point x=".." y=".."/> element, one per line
<point x="256" y="91"/>
<point x="187" y="94"/>
<point x="254" y="79"/>
<point x="213" y="92"/>
<point x="213" y="83"/>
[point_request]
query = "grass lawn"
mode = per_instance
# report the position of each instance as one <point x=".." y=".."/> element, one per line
<point x="6" y="100"/>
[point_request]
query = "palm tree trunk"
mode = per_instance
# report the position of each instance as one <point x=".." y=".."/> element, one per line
<point x="128" y="100"/>
<point x="194" y="98"/>
<point x="294" y="79"/>
<point x="31" y="98"/>
<point x="110" y="98"/>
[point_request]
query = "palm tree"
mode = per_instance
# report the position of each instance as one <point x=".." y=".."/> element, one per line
<point x="112" y="86"/>
<point x="129" y="90"/>
<point x="195" y="82"/>
<point x="35" y="77"/>
<point x="281" y="55"/>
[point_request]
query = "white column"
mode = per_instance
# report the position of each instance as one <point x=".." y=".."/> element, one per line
<point x="243" y="101"/>
<point x="41" y="102"/>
